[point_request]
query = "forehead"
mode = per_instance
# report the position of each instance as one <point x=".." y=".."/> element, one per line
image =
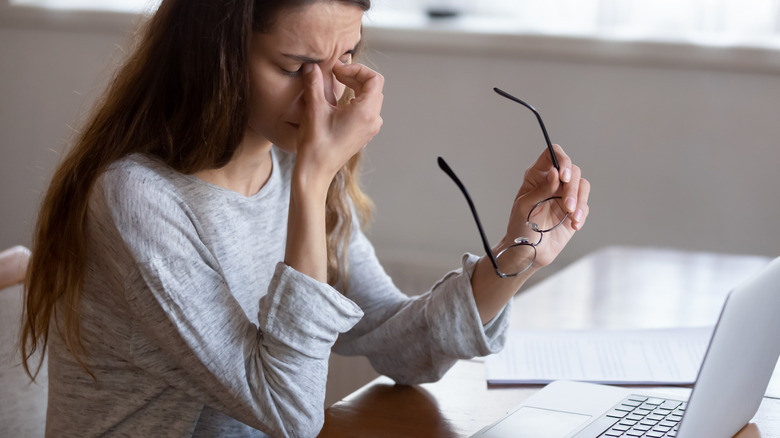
<point x="317" y="28"/>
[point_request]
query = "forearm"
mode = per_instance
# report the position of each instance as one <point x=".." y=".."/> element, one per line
<point x="491" y="292"/>
<point x="306" y="248"/>
<point x="415" y="340"/>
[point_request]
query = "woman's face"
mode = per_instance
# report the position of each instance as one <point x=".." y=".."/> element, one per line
<point x="325" y="33"/>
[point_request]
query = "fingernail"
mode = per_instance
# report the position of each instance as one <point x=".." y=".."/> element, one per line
<point x="566" y="175"/>
<point x="308" y="68"/>
<point x="571" y="204"/>
<point x="578" y="216"/>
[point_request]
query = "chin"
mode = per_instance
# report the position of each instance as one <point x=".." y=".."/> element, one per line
<point x="288" y="139"/>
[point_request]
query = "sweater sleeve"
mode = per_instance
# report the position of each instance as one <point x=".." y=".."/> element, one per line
<point x="272" y="376"/>
<point x="416" y="339"/>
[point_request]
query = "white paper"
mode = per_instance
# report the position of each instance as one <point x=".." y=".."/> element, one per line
<point x="640" y="357"/>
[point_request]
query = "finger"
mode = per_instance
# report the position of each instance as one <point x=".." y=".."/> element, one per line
<point x="543" y="165"/>
<point x="360" y="78"/>
<point x="570" y="189"/>
<point x="564" y="163"/>
<point x="583" y="209"/>
<point x="314" y="86"/>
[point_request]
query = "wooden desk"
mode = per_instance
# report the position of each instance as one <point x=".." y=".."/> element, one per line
<point x="612" y="288"/>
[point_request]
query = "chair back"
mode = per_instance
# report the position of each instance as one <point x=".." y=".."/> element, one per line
<point x="22" y="403"/>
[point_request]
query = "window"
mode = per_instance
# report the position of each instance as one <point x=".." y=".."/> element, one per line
<point x="706" y="22"/>
<point x="127" y="6"/>
<point x="710" y="22"/>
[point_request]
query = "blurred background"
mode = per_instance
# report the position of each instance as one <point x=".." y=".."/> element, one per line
<point x="671" y="108"/>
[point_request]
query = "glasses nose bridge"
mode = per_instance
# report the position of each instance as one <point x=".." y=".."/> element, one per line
<point x="534" y="226"/>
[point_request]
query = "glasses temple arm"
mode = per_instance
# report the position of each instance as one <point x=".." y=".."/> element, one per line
<point x="488" y="250"/>
<point x="541" y="123"/>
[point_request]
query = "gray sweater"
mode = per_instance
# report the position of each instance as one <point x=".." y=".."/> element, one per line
<point x="194" y="327"/>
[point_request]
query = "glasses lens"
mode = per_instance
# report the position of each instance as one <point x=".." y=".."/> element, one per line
<point x="517" y="258"/>
<point x="547" y="215"/>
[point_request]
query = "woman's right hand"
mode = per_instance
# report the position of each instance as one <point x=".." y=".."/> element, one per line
<point x="330" y="135"/>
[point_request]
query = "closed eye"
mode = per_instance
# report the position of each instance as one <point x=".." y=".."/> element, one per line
<point x="293" y="73"/>
<point x="346" y="58"/>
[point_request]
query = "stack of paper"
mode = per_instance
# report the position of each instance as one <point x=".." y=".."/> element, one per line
<point x="638" y="357"/>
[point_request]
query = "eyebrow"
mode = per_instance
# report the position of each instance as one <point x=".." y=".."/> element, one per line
<point x="309" y="60"/>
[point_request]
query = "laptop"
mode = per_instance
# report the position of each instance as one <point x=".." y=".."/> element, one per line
<point x="731" y="383"/>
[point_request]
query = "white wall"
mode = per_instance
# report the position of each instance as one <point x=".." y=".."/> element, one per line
<point x="678" y="155"/>
<point x="50" y="75"/>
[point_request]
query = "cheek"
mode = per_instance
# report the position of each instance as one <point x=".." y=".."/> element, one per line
<point x="276" y="100"/>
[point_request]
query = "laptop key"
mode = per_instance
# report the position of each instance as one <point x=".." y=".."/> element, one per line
<point x="669" y="404"/>
<point x="638" y="416"/>
<point x="616" y="413"/>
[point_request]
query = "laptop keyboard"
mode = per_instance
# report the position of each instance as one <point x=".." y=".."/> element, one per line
<point x="640" y="416"/>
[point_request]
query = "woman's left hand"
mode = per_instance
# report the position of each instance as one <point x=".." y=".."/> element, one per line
<point x="543" y="181"/>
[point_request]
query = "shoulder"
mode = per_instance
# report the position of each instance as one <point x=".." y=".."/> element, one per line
<point x="142" y="180"/>
<point x="141" y="189"/>
<point x="145" y="201"/>
<point x="139" y="173"/>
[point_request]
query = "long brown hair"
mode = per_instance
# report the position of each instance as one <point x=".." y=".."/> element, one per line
<point x="181" y="96"/>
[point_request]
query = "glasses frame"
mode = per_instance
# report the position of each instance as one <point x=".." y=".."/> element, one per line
<point x="520" y="241"/>
<point x="534" y="227"/>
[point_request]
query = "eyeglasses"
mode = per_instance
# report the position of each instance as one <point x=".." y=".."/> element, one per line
<point x="521" y="255"/>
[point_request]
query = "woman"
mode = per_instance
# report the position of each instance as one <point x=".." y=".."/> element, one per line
<point x="199" y="251"/>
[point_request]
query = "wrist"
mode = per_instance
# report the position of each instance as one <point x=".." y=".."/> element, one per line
<point x="308" y="184"/>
